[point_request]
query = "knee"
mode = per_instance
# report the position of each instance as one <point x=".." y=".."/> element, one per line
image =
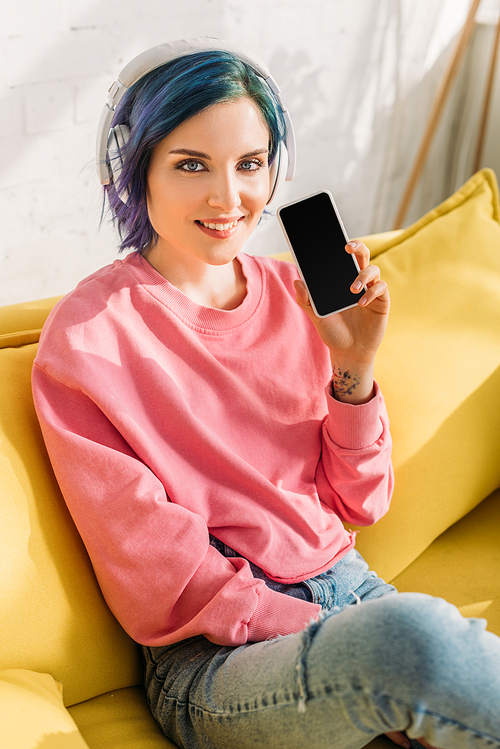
<point x="395" y="645"/>
<point x="421" y="613"/>
<point x="416" y="633"/>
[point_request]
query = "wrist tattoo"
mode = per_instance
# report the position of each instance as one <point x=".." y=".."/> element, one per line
<point x="344" y="382"/>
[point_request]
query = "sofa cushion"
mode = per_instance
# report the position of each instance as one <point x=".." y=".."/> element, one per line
<point x="53" y="618"/>
<point x="463" y="565"/>
<point x="32" y="713"/>
<point x="439" y="369"/>
<point x="119" y="719"/>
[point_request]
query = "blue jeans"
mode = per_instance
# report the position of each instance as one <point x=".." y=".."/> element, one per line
<point x="373" y="663"/>
<point x="346" y="582"/>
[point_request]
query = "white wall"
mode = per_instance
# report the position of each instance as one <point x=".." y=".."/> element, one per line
<point x="358" y="77"/>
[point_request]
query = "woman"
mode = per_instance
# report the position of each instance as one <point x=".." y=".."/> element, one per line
<point x="209" y="458"/>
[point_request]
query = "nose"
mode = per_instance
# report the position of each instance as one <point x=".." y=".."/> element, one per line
<point x="224" y="191"/>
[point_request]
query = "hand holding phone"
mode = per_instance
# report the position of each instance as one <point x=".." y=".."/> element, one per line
<point x="317" y="239"/>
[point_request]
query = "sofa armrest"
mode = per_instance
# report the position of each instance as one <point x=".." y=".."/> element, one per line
<point x="26" y="317"/>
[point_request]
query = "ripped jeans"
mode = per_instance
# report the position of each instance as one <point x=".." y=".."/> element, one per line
<point x="406" y="662"/>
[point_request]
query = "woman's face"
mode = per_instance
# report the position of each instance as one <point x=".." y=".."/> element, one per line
<point x="208" y="183"/>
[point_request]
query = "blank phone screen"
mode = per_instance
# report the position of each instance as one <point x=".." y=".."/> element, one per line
<point x="318" y="241"/>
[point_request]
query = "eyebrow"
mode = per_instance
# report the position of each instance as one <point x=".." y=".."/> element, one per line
<point x="201" y="155"/>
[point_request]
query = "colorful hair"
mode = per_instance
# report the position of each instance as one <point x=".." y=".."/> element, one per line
<point x="157" y="104"/>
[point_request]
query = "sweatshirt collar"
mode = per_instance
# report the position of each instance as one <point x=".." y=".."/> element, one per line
<point x="204" y="319"/>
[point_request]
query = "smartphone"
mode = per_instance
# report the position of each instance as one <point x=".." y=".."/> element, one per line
<point x="317" y="238"/>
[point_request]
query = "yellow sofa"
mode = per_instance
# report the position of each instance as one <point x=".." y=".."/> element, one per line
<point x="70" y="676"/>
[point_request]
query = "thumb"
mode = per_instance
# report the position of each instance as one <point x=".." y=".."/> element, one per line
<point x="301" y="295"/>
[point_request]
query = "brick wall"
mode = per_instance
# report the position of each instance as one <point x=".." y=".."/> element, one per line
<point x="59" y="57"/>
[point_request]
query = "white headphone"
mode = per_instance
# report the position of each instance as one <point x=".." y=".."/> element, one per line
<point x="110" y="140"/>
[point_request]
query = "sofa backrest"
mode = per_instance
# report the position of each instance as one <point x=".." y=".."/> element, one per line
<point x="53" y="618"/>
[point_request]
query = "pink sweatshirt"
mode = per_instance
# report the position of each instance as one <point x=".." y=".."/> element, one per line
<point x="166" y="421"/>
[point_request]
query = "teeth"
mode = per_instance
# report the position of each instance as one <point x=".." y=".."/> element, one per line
<point x="220" y="227"/>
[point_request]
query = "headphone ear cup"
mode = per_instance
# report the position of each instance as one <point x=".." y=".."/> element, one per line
<point x="277" y="172"/>
<point x="117" y="140"/>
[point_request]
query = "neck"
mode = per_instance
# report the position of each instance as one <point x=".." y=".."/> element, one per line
<point x="216" y="286"/>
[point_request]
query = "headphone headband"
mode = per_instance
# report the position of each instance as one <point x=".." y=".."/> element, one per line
<point x="161" y="54"/>
<point x="156" y="56"/>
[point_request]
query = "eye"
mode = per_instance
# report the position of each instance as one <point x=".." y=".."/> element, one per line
<point x="252" y="165"/>
<point x="191" y="166"/>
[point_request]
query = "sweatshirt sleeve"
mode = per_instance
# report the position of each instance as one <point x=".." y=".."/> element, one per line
<point x="355" y="475"/>
<point x="154" y="563"/>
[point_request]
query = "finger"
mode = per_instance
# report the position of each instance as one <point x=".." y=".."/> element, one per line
<point x="379" y="290"/>
<point x="367" y="277"/>
<point x="399" y="738"/>
<point x="301" y="295"/>
<point x="361" y="252"/>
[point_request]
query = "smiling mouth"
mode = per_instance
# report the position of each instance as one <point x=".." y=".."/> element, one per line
<point x="218" y="226"/>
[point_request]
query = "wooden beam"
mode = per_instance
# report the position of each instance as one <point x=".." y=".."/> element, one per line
<point x="487" y="100"/>
<point x="441" y="97"/>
